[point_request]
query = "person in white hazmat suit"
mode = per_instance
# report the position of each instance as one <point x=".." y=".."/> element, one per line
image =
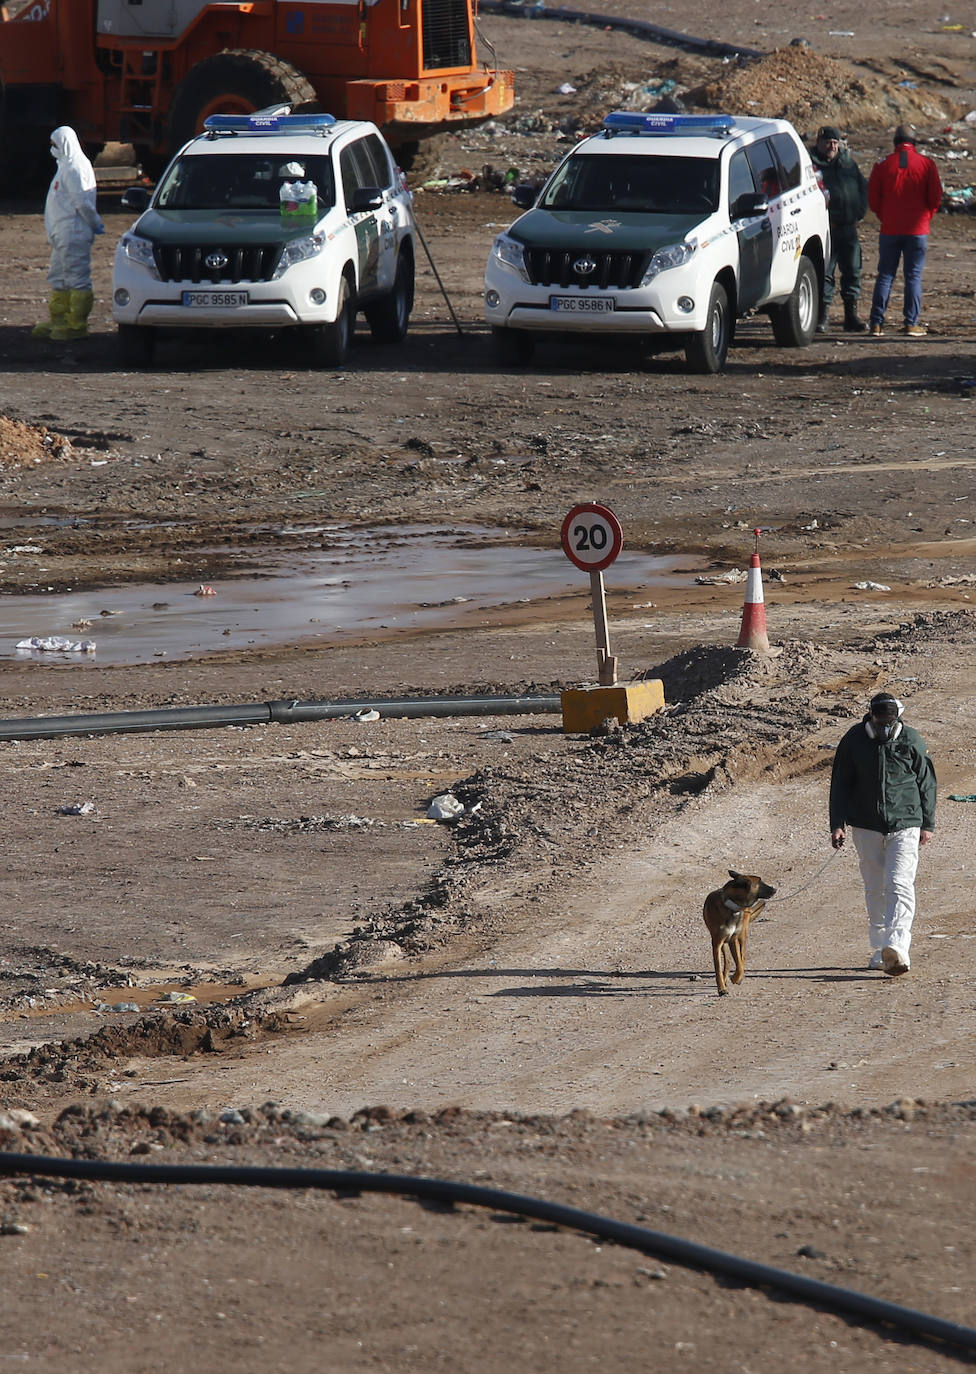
<point x="71" y="223"/>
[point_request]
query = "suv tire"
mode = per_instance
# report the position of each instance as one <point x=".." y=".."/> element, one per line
<point x="795" y="321"/>
<point x="331" y="342"/>
<point x="513" y="347"/>
<point x="238" y="81"/>
<point x="389" y="318"/>
<point x="706" y="351"/>
<point x="136" y="344"/>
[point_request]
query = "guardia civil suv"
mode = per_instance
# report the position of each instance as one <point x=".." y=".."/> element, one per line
<point x="270" y="221"/>
<point x="669" y="227"/>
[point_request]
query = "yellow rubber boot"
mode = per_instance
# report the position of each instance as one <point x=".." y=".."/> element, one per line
<point x="75" y="324"/>
<point x="58" y="307"/>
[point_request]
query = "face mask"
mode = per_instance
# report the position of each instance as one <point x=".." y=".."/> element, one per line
<point x="884" y="729"/>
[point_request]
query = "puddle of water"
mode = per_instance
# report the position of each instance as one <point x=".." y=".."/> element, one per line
<point x="391" y="578"/>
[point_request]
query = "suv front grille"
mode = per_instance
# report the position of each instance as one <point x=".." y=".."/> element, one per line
<point x="557" y="267"/>
<point x="445" y="27"/>
<point x="188" y="262"/>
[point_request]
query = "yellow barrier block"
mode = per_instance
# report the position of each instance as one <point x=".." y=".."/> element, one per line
<point x="586" y="707"/>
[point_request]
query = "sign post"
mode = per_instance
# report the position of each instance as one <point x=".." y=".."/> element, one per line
<point x="592" y="538"/>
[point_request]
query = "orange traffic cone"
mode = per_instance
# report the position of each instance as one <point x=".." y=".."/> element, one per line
<point x="752" y="634"/>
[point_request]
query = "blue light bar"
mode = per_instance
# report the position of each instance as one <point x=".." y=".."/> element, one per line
<point x="633" y="121"/>
<point x="267" y="124"/>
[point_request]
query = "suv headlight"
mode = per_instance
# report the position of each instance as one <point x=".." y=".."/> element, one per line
<point x="665" y="258"/>
<point x="510" y="254"/>
<point x="139" y="250"/>
<point x="299" y="250"/>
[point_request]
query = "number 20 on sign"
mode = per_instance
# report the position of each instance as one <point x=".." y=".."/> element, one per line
<point x="592" y="538"/>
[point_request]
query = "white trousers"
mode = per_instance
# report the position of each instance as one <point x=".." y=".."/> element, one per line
<point x="70" y="266"/>
<point x="888" y="864"/>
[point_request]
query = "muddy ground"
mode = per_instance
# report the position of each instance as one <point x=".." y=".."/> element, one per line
<point x="521" y="998"/>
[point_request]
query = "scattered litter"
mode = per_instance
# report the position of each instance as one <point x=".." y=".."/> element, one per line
<point x="204" y="589"/>
<point x="566" y="89"/>
<point x="117" y="1006"/>
<point x="179" y="997"/>
<point x="962" y="796"/>
<point x="77" y="809"/>
<point x="840" y="33"/>
<point x="502" y="736"/>
<point x="733" y="575"/>
<point x="775" y="575"/>
<point x="32" y="548"/>
<point x="58" y="644"/>
<point x="366" y="713"/>
<point x="871" y="587"/>
<point x="813" y="525"/>
<point x="445" y="808"/>
<point x="964" y="580"/>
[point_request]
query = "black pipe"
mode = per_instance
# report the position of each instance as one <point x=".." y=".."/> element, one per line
<point x="685" y="1252"/>
<point x="262" y="713"/>
<point x="640" y="28"/>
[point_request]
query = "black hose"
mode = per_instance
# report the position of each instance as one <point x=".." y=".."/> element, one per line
<point x="811" y="1291"/>
<point x="263" y="713"/>
<point x="640" y="28"/>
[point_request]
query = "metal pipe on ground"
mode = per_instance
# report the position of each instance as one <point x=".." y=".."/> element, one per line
<point x="265" y="713"/>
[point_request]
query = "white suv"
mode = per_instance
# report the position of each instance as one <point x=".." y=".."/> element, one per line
<point x="270" y="221"/>
<point x="670" y="227"/>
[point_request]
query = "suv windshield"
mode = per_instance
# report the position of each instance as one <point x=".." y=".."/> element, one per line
<point x="649" y="185"/>
<point x="236" y="182"/>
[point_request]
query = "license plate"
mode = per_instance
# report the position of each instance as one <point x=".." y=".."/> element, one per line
<point x="210" y="300"/>
<point x="582" y="305"/>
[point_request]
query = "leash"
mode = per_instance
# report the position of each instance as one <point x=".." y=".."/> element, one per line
<point x="788" y="896"/>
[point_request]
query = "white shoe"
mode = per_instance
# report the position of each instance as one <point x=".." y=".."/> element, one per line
<point x="894" y="962"/>
<point x="876" y="962"/>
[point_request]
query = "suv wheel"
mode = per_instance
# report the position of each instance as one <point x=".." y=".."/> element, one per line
<point x="137" y="344"/>
<point x="513" y="347"/>
<point x="331" y="342"/>
<point x="795" y="321"/>
<point x="389" y="318"/>
<point x="707" y="351"/>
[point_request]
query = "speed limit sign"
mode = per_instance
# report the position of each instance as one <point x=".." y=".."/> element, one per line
<point x="591" y="537"/>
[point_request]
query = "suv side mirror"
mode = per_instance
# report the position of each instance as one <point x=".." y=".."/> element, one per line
<point x="524" y="195"/>
<point x="750" y="203"/>
<point x="136" y="198"/>
<point x="366" y="198"/>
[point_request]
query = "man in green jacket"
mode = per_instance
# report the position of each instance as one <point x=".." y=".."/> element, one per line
<point x="847" y="204"/>
<point x="883" y="786"/>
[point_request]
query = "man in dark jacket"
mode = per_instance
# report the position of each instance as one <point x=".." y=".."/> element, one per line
<point x="847" y="192"/>
<point x="883" y="785"/>
<point x="904" y="191"/>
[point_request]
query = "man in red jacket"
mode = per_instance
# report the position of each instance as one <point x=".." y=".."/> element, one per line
<point x="904" y="191"/>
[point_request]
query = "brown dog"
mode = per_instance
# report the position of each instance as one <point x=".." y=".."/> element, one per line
<point x="727" y="913"/>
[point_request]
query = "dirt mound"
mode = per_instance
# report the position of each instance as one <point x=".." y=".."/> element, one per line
<point x="810" y="89"/>
<point x="22" y="444"/>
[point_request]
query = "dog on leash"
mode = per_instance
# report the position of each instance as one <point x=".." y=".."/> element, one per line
<point x="727" y="913"/>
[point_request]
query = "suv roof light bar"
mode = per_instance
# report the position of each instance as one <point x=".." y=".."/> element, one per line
<point x="635" y="122"/>
<point x="265" y="122"/>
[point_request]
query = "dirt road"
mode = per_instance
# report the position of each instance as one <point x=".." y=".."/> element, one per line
<point x="522" y="998"/>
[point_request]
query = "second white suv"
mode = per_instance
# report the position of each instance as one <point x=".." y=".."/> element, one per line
<point x="227" y="241"/>
<point x="666" y="225"/>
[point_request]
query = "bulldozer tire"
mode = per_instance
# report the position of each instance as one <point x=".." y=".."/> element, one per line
<point x="26" y="167"/>
<point x="238" y="81"/>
